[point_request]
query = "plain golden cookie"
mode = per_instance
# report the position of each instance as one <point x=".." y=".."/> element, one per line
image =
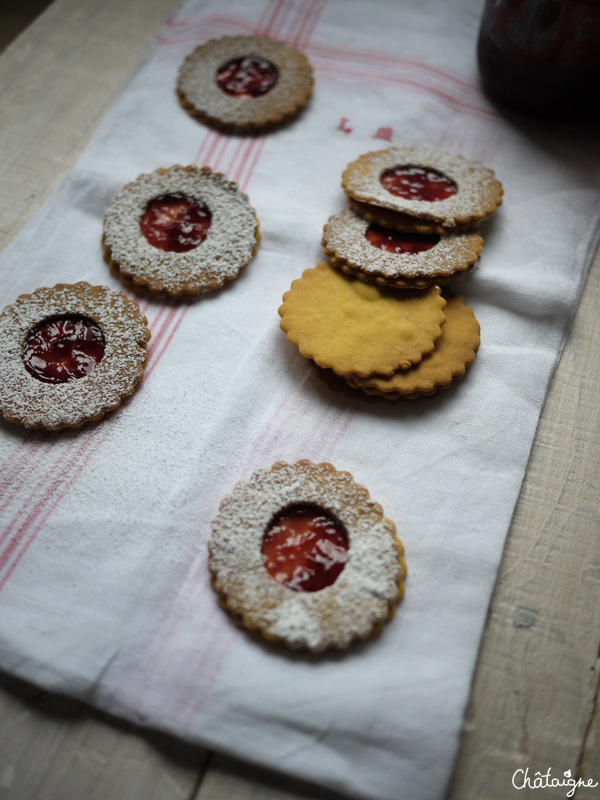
<point x="358" y="328"/>
<point x="454" y="351"/>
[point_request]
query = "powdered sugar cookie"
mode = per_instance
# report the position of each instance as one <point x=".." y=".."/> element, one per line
<point x="301" y="556"/>
<point x="69" y="354"/>
<point x="244" y="84"/>
<point x="180" y="231"/>
<point x="360" y="328"/>
<point x="454" y="351"/>
<point x="404" y="260"/>
<point x="415" y="188"/>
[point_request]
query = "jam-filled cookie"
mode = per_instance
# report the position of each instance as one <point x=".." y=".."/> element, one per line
<point x="244" y="84"/>
<point x="180" y="231"/>
<point x="454" y="351"/>
<point x="301" y="556"/>
<point x="358" y="328"/>
<point x="395" y="258"/>
<point x="423" y="190"/>
<point x="69" y="354"/>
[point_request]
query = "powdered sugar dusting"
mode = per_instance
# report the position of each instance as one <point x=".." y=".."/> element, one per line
<point x="479" y="192"/>
<point x="35" y="404"/>
<point x="362" y="596"/>
<point x="344" y="237"/>
<point x="200" y="93"/>
<point x="229" y="246"/>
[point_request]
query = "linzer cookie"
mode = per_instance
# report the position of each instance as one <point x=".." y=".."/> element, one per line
<point x="180" y="231"/>
<point x="422" y="190"/>
<point x="357" y="328"/>
<point x="69" y="354"/>
<point x="300" y="556"/>
<point x="244" y="84"/>
<point x="394" y="258"/>
<point x="454" y="351"/>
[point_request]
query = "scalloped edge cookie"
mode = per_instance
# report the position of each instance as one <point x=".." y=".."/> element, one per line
<point x="479" y="192"/>
<point x="230" y="245"/>
<point x="35" y="404"/>
<point x="201" y="97"/>
<point x="358" y="328"/>
<point x="345" y="244"/>
<point x="354" y="608"/>
<point x="339" y="384"/>
<point x="454" y="352"/>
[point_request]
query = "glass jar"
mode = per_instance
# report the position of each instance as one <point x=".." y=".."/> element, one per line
<point x="542" y="57"/>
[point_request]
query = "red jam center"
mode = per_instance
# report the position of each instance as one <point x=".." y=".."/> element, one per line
<point x="62" y="349"/>
<point x="175" y="223"/>
<point x="248" y="77"/>
<point x="399" y="242"/>
<point x="305" y="548"/>
<point x="418" y="183"/>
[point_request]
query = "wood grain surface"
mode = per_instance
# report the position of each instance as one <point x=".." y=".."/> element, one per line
<point x="535" y="694"/>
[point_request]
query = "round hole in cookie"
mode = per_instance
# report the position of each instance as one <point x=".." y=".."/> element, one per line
<point x="399" y="241"/>
<point x="305" y="548"/>
<point x="175" y="223"/>
<point x="63" y="348"/>
<point x="247" y="77"/>
<point x="418" y="183"/>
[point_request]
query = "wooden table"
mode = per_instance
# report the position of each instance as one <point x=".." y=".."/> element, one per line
<point x="535" y="695"/>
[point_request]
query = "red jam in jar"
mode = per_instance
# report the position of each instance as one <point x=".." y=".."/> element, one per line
<point x="542" y="57"/>
<point x="175" y="223"/>
<point x="305" y="548"/>
<point x="400" y="242"/>
<point x="418" y="183"/>
<point x="63" y="348"/>
<point x="250" y="76"/>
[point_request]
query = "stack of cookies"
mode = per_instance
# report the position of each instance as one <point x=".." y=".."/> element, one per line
<point x="373" y="317"/>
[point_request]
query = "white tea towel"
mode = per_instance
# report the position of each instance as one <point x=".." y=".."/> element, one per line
<point x="104" y="591"/>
